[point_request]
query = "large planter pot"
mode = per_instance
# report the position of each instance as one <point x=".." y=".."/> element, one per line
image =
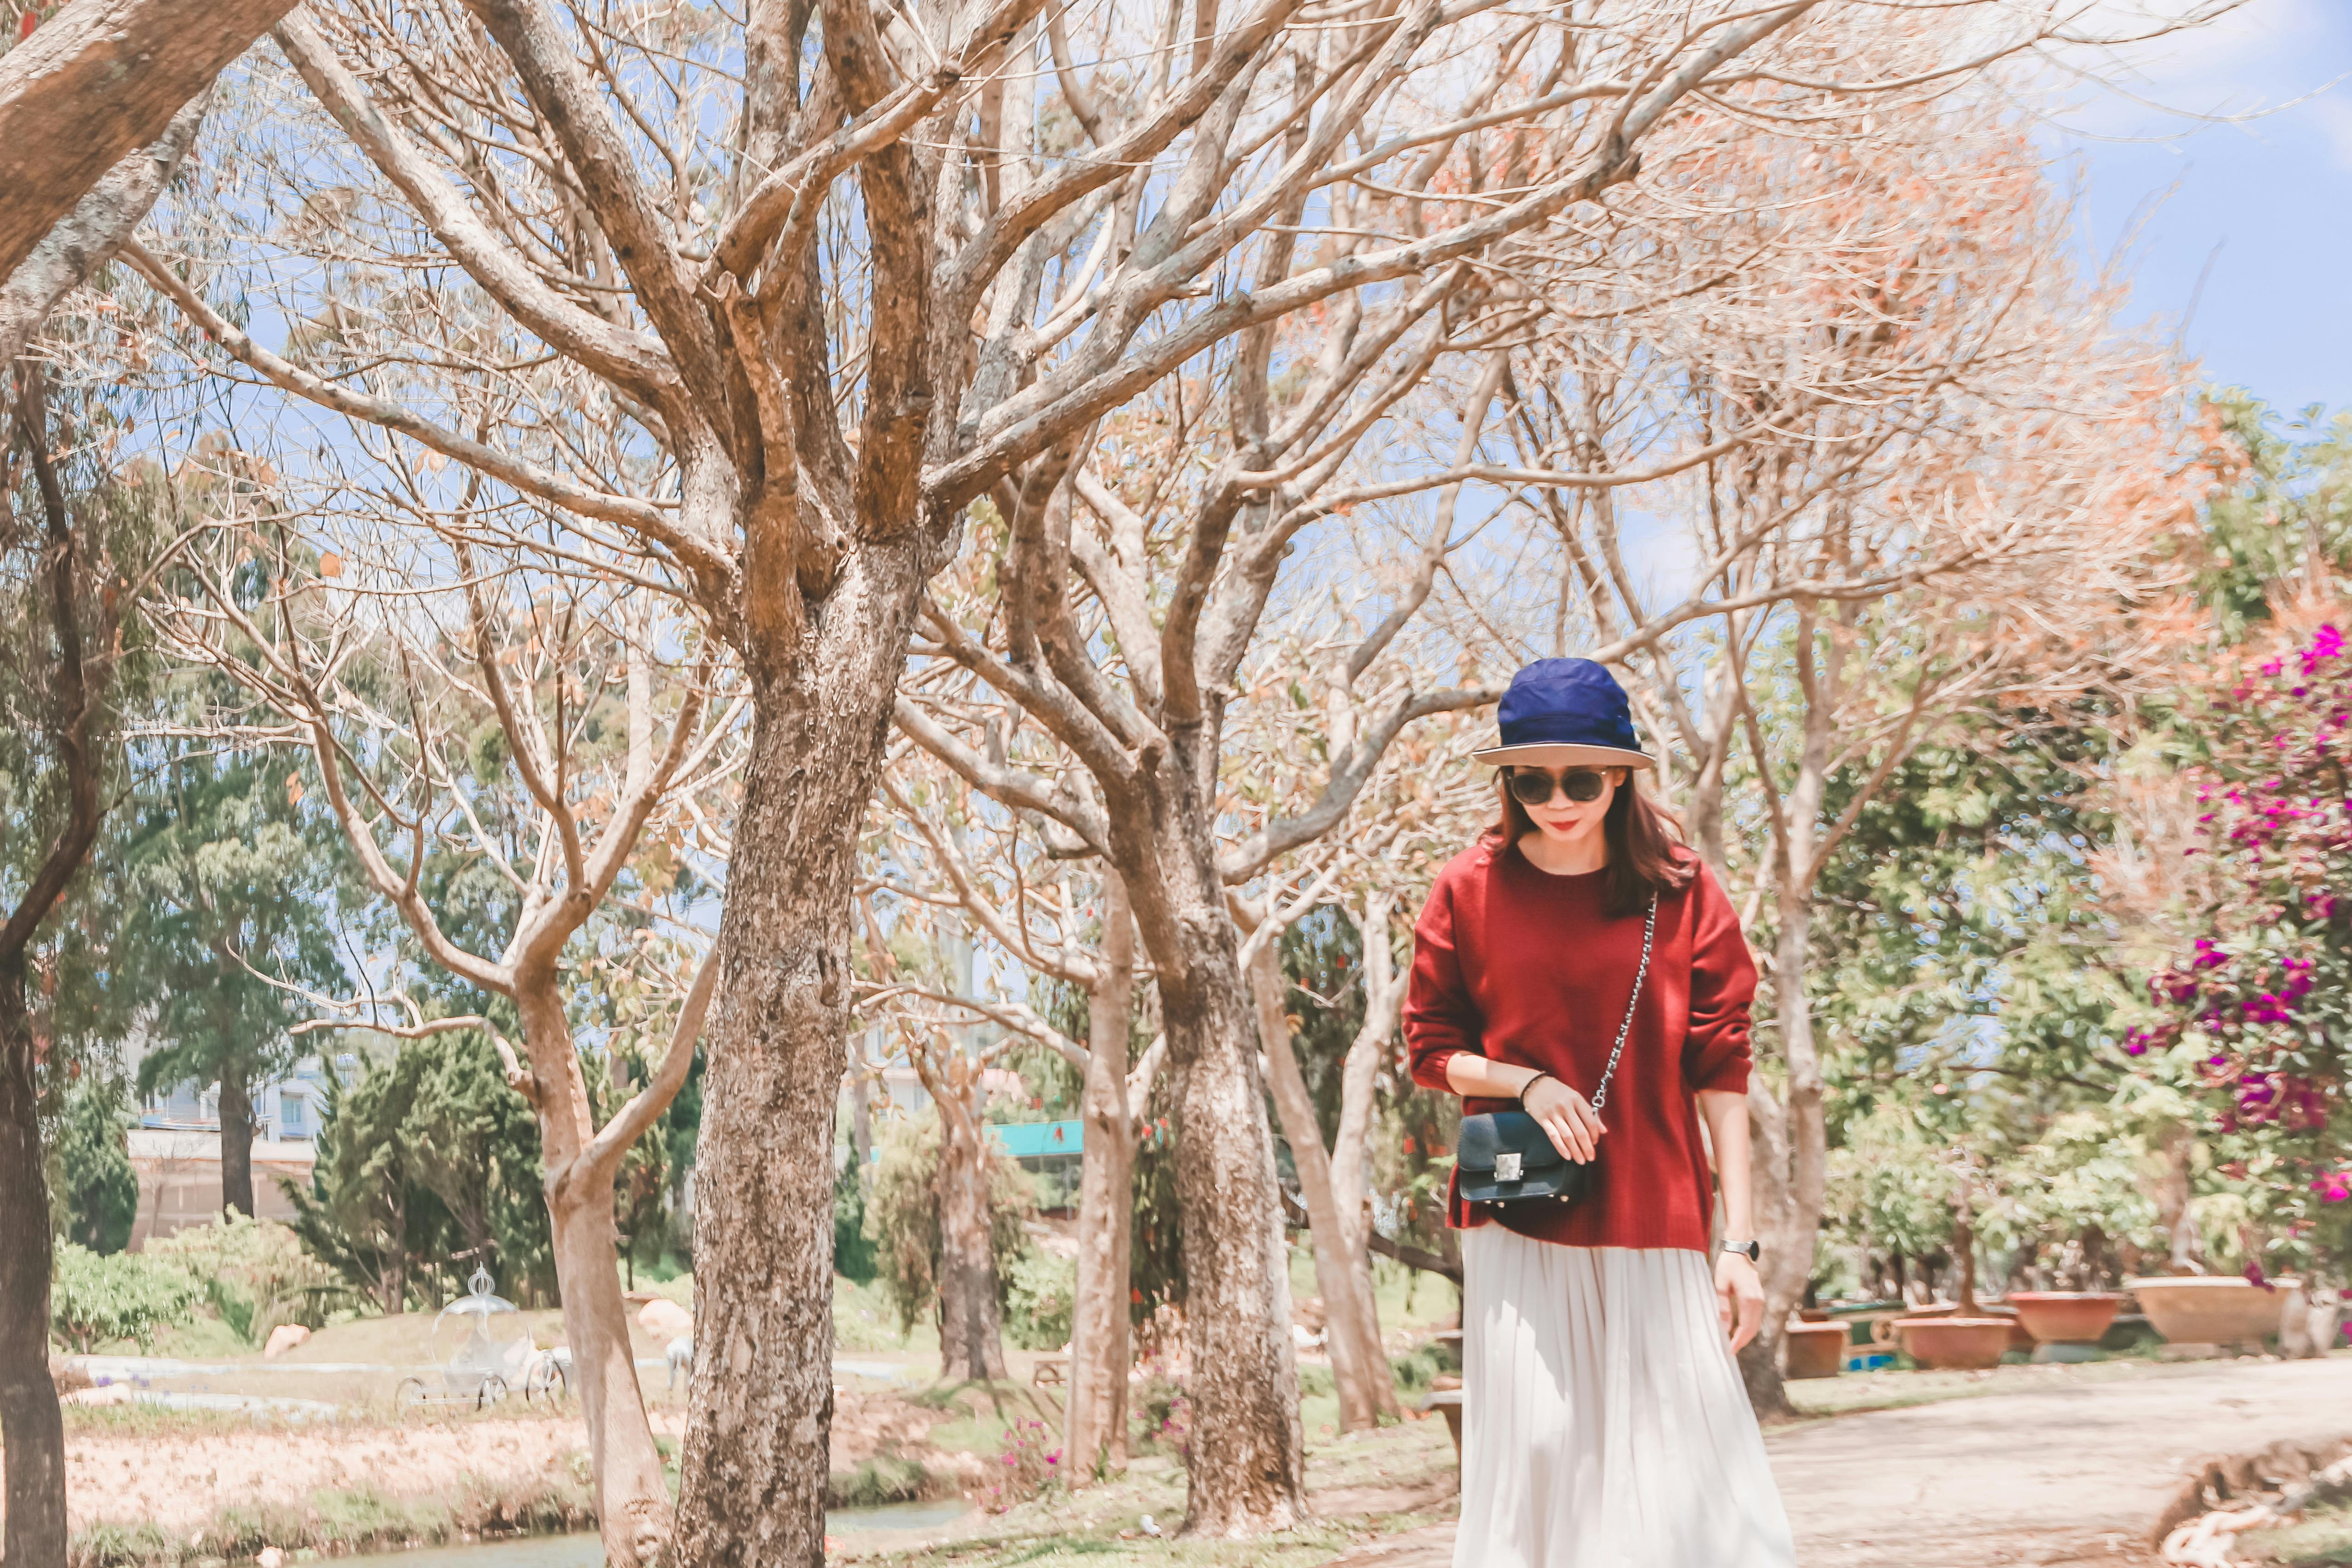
<point x="2065" y="1317"/>
<point x="2212" y="1310"/>
<point x="1955" y="1344"/>
<point x="1816" y="1350"/>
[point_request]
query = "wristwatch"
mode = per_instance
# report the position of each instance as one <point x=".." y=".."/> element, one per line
<point x="1750" y="1250"/>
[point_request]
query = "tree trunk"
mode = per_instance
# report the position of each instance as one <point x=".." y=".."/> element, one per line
<point x="32" y="1431"/>
<point x="1768" y="1135"/>
<point x="1351" y="1190"/>
<point x="1247" y="1458"/>
<point x="392" y="1285"/>
<point x="632" y="1507"/>
<point x="2174" y="1216"/>
<point x="971" y="1327"/>
<point x="1352" y="1322"/>
<point x="752" y="1488"/>
<point x="235" y="1143"/>
<point x="1964" y="1256"/>
<point x="1094" y="1439"/>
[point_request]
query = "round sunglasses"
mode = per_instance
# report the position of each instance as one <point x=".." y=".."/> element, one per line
<point x="1534" y="786"/>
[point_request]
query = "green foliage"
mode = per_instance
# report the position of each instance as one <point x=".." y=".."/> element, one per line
<point x="1322" y="959"/>
<point x="882" y="1479"/>
<point x="427" y="1162"/>
<point x="254" y="1273"/>
<point x="902" y="1215"/>
<point x="2255" y="1014"/>
<point x="1040" y="1300"/>
<point x="96" y="1299"/>
<point x="233" y="868"/>
<point x="853" y="1250"/>
<point x="1155" y="1228"/>
<point x="1417" y="1370"/>
<point x="2292" y="505"/>
<point x="1892" y="1183"/>
<point x="92" y="1188"/>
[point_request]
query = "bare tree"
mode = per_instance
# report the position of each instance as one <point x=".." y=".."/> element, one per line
<point x="1958" y="459"/>
<point x="1066" y="922"/>
<point x="542" y="723"/>
<point x="1423" y="806"/>
<point x="818" y="301"/>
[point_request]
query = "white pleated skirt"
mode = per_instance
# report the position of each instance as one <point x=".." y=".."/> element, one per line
<point x="1604" y="1421"/>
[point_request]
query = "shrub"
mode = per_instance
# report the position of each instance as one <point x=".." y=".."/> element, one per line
<point x="1040" y="1300"/>
<point x="2254" y="1015"/>
<point x="902" y="1215"/>
<point x="255" y="1274"/>
<point x="1418" y="1368"/>
<point x="1163" y="1417"/>
<point x="884" y="1478"/>
<point x="1028" y="1461"/>
<point x="95" y="1300"/>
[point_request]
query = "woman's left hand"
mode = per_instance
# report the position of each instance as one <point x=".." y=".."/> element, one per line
<point x="1740" y="1295"/>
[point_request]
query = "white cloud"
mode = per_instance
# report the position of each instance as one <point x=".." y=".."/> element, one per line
<point x="2258" y="57"/>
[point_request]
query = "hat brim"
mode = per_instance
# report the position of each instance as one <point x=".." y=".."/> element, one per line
<point x="1562" y="756"/>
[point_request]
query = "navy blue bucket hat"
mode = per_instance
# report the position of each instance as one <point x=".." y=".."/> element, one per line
<point x="1566" y="712"/>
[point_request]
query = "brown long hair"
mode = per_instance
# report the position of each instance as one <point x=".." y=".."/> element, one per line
<point x="1644" y="839"/>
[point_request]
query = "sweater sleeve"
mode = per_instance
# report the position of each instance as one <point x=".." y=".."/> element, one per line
<point x="1441" y="1022"/>
<point x="1722" y="985"/>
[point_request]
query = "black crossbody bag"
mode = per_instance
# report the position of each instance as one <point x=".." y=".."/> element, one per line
<point x="1507" y="1157"/>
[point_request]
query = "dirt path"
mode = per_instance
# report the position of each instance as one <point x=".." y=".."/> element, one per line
<point x="2073" y="1473"/>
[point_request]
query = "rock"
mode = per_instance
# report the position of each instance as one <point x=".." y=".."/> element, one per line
<point x="269" y="1556"/>
<point x="666" y="1318"/>
<point x="283" y="1338"/>
<point x="112" y="1394"/>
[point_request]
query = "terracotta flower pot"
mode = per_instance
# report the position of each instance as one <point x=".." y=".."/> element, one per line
<point x="2211" y="1309"/>
<point x="2065" y="1317"/>
<point x="1955" y="1344"/>
<point x="1816" y="1350"/>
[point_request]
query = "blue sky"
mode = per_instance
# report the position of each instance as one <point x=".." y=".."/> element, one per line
<point x="2273" y="193"/>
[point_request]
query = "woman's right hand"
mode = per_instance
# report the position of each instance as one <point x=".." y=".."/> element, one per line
<point x="1567" y="1116"/>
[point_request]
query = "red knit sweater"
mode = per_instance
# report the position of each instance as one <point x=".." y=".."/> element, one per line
<point x="1519" y="965"/>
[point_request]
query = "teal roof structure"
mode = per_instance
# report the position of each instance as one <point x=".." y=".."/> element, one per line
<point x="1035" y="1140"/>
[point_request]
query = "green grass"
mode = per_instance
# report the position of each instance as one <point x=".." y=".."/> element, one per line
<point x="864" y="1319"/>
<point x="2322" y="1540"/>
<point x="1406" y="1464"/>
<point x="884" y="1478"/>
<point x="337" y="1522"/>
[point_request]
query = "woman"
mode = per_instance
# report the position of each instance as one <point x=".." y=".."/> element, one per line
<point x="1605" y="1424"/>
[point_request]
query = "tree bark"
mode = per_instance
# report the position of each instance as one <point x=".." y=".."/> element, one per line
<point x="971" y="1317"/>
<point x="1768" y="1132"/>
<point x="753" y="1491"/>
<point x="1094" y="1438"/>
<point x="632" y="1498"/>
<point x="101" y="80"/>
<point x="1248" y="1459"/>
<point x="1351" y="1320"/>
<point x="235" y="1143"/>
<point x="2174" y="1216"/>
<point x="85" y="238"/>
<point x="32" y="1430"/>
